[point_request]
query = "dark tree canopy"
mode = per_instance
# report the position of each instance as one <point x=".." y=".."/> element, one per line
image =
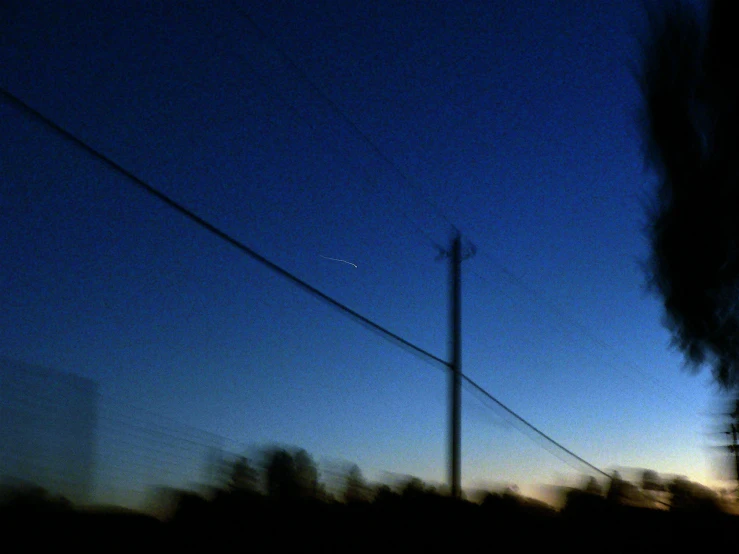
<point x="355" y="489"/>
<point x="243" y="477"/>
<point x="691" y="126"/>
<point x="651" y="481"/>
<point x="280" y="475"/>
<point x="291" y="476"/>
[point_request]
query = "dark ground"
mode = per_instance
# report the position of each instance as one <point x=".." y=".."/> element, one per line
<point x="260" y="525"/>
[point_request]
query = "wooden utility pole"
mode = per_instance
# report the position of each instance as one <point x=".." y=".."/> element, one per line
<point x="733" y="448"/>
<point x="455" y="365"/>
<point x="733" y="430"/>
<point x="455" y="436"/>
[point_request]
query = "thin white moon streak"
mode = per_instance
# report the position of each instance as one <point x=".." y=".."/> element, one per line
<point x="338" y="260"/>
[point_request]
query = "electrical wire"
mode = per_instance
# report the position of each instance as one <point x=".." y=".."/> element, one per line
<point x="264" y="261"/>
<point x="562" y="316"/>
<point x="365" y="138"/>
<point x="531" y="426"/>
<point x="345" y="117"/>
<point x="222" y="234"/>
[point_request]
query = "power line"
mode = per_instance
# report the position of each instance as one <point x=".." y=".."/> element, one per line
<point x="365" y="138"/>
<point x="577" y="325"/>
<point x="219" y="233"/>
<point x="531" y="426"/>
<point x="343" y="115"/>
<point x="384" y="157"/>
<point x="337" y="109"/>
<point x="245" y="249"/>
<point x="287" y="103"/>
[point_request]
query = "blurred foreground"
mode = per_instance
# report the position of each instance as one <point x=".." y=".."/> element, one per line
<point x="61" y="451"/>
<point x="284" y="506"/>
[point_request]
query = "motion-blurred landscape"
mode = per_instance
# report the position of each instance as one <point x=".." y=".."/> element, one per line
<point x="339" y="275"/>
<point x="82" y="475"/>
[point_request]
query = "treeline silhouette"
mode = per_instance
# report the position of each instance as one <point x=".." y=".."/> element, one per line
<point x="281" y="503"/>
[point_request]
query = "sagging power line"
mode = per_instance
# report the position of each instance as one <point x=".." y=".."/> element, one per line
<point x="242" y="12"/>
<point x="221" y="234"/>
<point x="337" y="109"/>
<point x="458" y="376"/>
<point x="563" y="316"/>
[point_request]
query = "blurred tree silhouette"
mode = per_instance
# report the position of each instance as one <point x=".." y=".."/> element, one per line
<point x="243" y="477"/>
<point x="651" y="481"/>
<point x="355" y="489"/>
<point x="653" y="489"/>
<point x="290" y="477"/>
<point x="690" y="126"/>
<point x="24" y="496"/>
<point x="593" y="487"/>
<point x="280" y="475"/>
<point x="692" y="497"/>
<point x="306" y="474"/>
<point x="414" y="489"/>
<point x="384" y="495"/>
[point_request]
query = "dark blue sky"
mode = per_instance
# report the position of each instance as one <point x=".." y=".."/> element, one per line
<point x="515" y="121"/>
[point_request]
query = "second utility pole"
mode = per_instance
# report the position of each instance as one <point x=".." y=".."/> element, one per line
<point x="455" y="466"/>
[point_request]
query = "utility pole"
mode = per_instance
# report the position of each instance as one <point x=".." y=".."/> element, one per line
<point x="733" y="430"/>
<point x="733" y="448"/>
<point x="455" y="463"/>
<point x="455" y="365"/>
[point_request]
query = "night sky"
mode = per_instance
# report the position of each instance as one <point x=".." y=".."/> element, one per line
<point x="516" y="122"/>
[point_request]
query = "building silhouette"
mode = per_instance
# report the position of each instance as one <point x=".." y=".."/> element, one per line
<point x="48" y="424"/>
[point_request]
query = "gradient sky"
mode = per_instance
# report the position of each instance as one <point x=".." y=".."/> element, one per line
<point x="514" y="121"/>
